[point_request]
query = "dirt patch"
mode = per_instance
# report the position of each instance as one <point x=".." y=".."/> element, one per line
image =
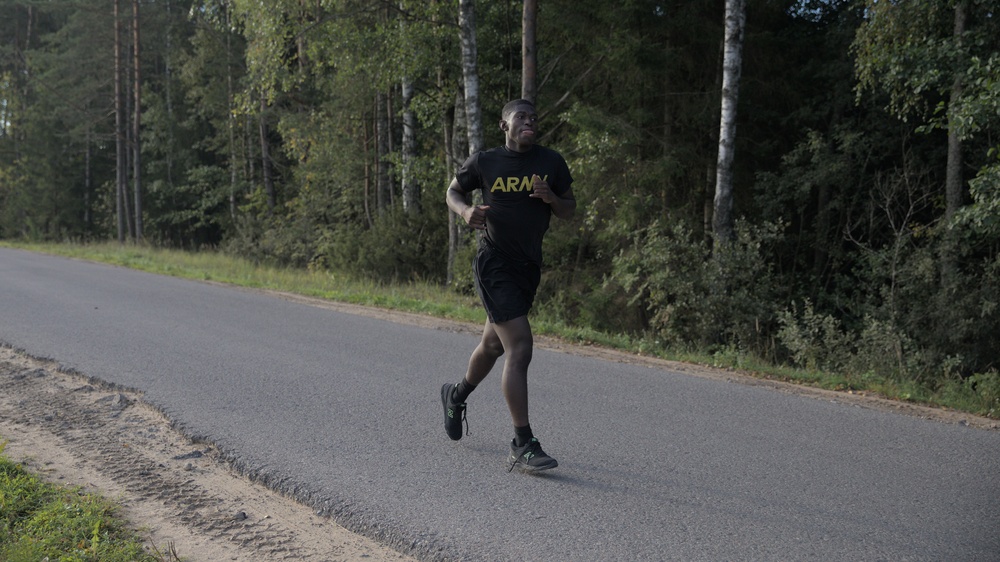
<point x="78" y="431"/>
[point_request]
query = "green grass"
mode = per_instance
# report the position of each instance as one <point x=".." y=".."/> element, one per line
<point x="42" y="521"/>
<point x="979" y="395"/>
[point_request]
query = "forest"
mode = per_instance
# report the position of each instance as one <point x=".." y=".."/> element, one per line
<point x="861" y="232"/>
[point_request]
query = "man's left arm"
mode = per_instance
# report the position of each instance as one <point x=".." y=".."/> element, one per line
<point x="562" y="206"/>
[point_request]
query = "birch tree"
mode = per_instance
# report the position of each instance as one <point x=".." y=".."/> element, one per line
<point x="732" y="64"/>
<point x="265" y="155"/>
<point x="408" y="184"/>
<point x="470" y="73"/>
<point x="467" y="111"/>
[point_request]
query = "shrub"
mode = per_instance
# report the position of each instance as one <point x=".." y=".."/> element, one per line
<point x="814" y="341"/>
<point x="398" y="246"/>
<point x="697" y="300"/>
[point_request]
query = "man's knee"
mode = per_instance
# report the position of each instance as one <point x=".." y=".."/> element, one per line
<point x="517" y="339"/>
<point x="492" y="347"/>
<point x="520" y="352"/>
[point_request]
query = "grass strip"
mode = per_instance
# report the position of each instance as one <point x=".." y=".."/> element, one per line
<point x="42" y="521"/>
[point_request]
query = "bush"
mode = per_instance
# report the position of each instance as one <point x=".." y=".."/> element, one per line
<point x="814" y="341"/>
<point x="398" y="246"/>
<point x="697" y="300"/>
<point x="462" y="280"/>
<point x="978" y="394"/>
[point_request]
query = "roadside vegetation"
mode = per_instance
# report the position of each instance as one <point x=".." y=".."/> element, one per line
<point x="43" y="521"/>
<point x="815" y="340"/>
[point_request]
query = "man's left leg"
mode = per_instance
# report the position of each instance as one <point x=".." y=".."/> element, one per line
<point x="518" y="345"/>
<point x="515" y="335"/>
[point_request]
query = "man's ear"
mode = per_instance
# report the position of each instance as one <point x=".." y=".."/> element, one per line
<point x="503" y="125"/>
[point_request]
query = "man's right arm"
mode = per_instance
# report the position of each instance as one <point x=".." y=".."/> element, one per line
<point x="459" y="203"/>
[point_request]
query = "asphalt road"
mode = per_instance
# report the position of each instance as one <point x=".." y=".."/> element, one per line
<point x="344" y="412"/>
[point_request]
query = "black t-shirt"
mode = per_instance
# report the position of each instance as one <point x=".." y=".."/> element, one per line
<point x="515" y="222"/>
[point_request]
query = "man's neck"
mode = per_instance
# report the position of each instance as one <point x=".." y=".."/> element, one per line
<point x="519" y="148"/>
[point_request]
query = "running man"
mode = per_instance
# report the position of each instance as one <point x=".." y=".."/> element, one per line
<point x="523" y="185"/>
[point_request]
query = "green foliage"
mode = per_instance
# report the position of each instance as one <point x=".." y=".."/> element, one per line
<point x="463" y="281"/>
<point x="980" y="391"/>
<point x="936" y="337"/>
<point x="982" y="217"/>
<point x="814" y="341"/>
<point x="904" y="50"/>
<point x="192" y="213"/>
<point x="398" y="246"/>
<point x="694" y="300"/>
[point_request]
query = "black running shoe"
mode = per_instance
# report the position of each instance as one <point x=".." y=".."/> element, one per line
<point x="454" y="413"/>
<point x="530" y="457"/>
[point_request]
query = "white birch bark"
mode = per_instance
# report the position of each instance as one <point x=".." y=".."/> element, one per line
<point x="408" y="185"/>
<point x="411" y="191"/>
<point x="470" y="73"/>
<point x="731" y="67"/>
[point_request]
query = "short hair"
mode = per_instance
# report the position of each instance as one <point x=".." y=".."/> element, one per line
<point x="512" y="105"/>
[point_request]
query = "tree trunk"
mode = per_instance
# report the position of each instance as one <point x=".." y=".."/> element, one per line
<point x="168" y="97"/>
<point x="666" y="192"/>
<point x="137" y="144"/>
<point x="731" y="66"/>
<point x="821" y="253"/>
<point x="953" y="172"/>
<point x="231" y="120"/>
<point x="249" y="158"/>
<point x="460" y="136"/>
<point x="470" y="73"/>
<point x="529" y="53"/>
<point x="458" y="150"/>
<point x="119" y="130"/>
<point x="265" y="157"/>
<point x="411" y="191"/>
<point x="88" y="182"/>
<point x="368" y="174"/>
<point x="708" y="206"/>
<point x="383" y="186"/>
<point x="447" y="118"/>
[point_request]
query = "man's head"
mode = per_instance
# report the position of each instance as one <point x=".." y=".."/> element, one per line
<point x="518" y="120"/>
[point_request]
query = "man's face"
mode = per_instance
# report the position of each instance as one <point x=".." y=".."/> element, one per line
<point x="519" y="127"/>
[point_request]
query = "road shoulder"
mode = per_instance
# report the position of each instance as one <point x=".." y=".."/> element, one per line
<point x="77" y="432"/>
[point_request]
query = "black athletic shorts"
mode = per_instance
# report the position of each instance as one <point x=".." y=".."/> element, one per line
<point x="506" y="287"/>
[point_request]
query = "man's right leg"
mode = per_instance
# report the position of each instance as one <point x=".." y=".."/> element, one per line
<point x="485" y="355"/>
<point x="480" y="364"/>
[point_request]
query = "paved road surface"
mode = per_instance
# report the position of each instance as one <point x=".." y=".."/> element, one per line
<point x="343" y="411"/>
